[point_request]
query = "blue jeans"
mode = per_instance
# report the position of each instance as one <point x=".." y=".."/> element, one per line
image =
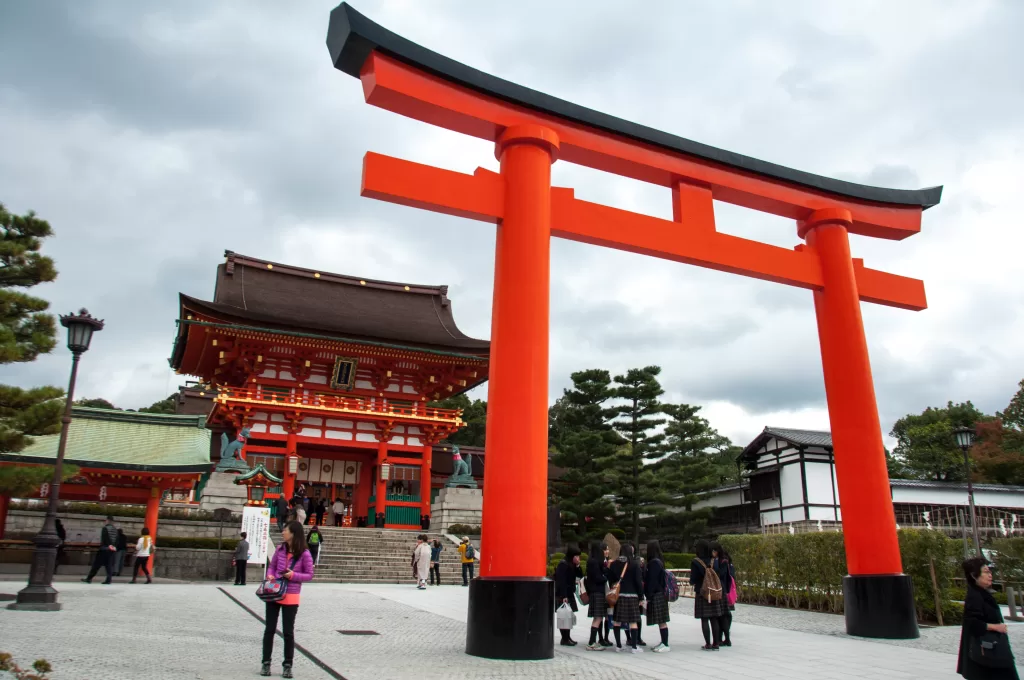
<point x="467" y="568"/>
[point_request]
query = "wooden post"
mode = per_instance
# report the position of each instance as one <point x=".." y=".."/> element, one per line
<point x="935" y="590"/>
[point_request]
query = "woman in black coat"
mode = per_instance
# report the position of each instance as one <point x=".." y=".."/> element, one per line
<point x="566" y="574"/>
<point x="723" y="567"/>
<point x="981" y="615"/>
<point x="595" y="585"/>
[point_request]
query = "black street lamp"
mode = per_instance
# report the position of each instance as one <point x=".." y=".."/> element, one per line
<point x="39" y="594"/>
<point x="965" y="439"/>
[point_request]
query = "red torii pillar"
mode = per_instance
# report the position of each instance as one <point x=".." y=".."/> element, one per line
<point x="151" y="520"/>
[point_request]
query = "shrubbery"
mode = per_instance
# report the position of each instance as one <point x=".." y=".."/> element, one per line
<point x="463" y="530"/>
<point x="805" y="571"/>
<point x="121" y="510"/>
<point x="678" y="560"/>
<point x="195" y="543"/>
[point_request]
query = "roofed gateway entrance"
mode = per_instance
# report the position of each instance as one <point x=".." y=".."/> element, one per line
<point x="510" y="612"/>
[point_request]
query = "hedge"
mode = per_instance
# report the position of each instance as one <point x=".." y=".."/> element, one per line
<point x="805" y="571"/>
<point x="119" y="510"/>
<point x="678" y="560"/>
<point x="463" y="530"/>
<point x="195" y="543"/>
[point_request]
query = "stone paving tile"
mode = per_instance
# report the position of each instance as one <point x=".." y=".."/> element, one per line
<point x="122" y="632"/>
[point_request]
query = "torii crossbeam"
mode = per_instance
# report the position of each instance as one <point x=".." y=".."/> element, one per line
<point x="510" y="614"/>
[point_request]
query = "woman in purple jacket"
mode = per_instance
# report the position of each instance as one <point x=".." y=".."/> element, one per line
<point x="293" y="562"/>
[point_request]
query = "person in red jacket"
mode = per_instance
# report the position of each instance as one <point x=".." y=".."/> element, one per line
<point x="293" y="562"/>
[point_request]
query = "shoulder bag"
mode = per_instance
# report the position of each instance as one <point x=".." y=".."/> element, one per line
<point x="274" y="589"/>
<point x="991" y="650"/>
<point x="613" y="595"/>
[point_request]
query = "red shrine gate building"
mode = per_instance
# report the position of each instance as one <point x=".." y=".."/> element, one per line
<point x="333" y="376"/>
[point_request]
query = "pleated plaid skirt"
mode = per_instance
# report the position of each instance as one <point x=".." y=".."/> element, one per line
<point x="657" y="609"/>
<point x="627" y="609"/>
<point x="598" y="607"/>
<point x="702" y="609"/>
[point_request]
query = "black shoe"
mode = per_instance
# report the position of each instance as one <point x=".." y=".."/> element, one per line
<point x="641" y="643"/>
<point x="573" y="642"/>
<point x="85" y="580"/>
<point x="107" y="583"/>
<point x="286" y="671"/>
<point x="727" y="643"/>
<point x="567" y="643"/>
<point x="265" y="670"/>
<point x="606" y="643"/>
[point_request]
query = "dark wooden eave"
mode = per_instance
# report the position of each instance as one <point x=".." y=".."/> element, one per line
<point x="351" y="37"/>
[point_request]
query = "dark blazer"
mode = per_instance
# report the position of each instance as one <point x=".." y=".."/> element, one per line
<point x="633" y="581"/>
<point x="654" y="581"/>
<point x="724" y="574"/>
<point x="596" y="580"/>
<point x="980" y="609"/>
<point x="566" y="574"/>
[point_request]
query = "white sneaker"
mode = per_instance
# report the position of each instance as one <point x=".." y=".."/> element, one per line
<point x="637" y="650"/>
<point x="661" y="648"/>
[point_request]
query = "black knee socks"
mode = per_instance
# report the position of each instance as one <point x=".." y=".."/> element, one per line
<point x="705" y="627"/>
<point x="593" y="634"/>
<point x="565" y="634"/>
<point x="630" y="637"/>
<point x="618" y="636"/>
<point x="664" y="636"/>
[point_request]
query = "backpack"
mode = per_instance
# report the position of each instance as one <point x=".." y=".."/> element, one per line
<point x="671" y="586"/>
<point x="711" y="588"/>
<point x="470" y="553"/>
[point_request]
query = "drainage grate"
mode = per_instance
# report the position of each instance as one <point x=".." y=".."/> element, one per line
<point x="358" y="632"/>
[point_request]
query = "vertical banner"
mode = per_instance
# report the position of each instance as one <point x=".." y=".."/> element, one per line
<point x="256" y="525"/>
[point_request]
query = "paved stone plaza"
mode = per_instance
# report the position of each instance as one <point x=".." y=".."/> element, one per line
<point x="197" y="631"/>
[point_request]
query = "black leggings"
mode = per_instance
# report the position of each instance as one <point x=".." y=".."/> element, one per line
<point x="712" y="637"/>
<point x="140" y="563"/>
<point x="726" y="625"/>
<point x="435" y="570"/>
<point x="287" y="631"/>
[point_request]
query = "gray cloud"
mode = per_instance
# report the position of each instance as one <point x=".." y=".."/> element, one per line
<point x="153" y="138"/>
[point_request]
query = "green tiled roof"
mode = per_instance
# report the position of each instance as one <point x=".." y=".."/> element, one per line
<point x="127" y="440"/>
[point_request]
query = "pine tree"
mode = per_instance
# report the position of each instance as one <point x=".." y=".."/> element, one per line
<point x="637" y="421"/>
<point x="580" y="436"/>
<point x="693" y="463"/>
<point x="26" y="331"/>
<point x="474" y="414"/>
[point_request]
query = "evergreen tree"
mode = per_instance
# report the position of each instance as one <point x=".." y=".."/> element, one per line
<point x="580" y="437"/>
<point x="637" y="420"/>
<point x="168" y="405"/>
<point x="474" y="414"/>
<point x="26" y="331"/>
<point x="693" y="463"/>
<point x="97" y="403"/>
<point x="925" y="445"/>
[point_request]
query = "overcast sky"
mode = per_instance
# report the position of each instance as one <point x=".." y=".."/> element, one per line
<point x="153" y="136"/>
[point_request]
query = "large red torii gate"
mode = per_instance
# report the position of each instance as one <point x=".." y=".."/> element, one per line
<point x="510" y="605"/>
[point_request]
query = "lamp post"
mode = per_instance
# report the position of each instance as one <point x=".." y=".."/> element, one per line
<point x="964" y="439"/>
<point x="39" y="594"/>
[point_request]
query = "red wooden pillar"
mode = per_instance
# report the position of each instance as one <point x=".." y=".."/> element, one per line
<point x="878" y="597"/>
<point x="361" y="498"/>
<point x="381" y="505"/>
<point x="288" y="485"/>
<point x="425" y="490"/>
<point x="513" y="545"/>
<point x="152" y="517"/>
<point x="5" y="503"/>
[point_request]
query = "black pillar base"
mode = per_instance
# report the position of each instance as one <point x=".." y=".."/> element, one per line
<point x="42" y="598"/>
<point x="880" y="607"/>
<point x="511" y="618"/>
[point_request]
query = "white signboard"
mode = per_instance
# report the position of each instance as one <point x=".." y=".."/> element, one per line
<point x="256" y="525"/>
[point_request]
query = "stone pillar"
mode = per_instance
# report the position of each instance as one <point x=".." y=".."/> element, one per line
<point x="878" y="596"/>
<point x="510" y="605"/>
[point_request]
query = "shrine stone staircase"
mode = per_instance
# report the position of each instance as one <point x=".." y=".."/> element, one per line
<point x="351" y="555"/>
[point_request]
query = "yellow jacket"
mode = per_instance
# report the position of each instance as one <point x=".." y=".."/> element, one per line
<point x="462" y="554"/>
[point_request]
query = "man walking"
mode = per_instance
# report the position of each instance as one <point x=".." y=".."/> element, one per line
<point x="468" y="556"/>
<point x="241" y="560"/>
<point x="339" y="512"/>
<point x="281" y="505"/>
<point x="105" y="553"/>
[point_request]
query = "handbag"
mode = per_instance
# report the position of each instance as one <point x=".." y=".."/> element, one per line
<point x="991" y="650"/>
<point x="274" y="589"/>
<point x="613" y="595"/>
<point x="582" y="594"/>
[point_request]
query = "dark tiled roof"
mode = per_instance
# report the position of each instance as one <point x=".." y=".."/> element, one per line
<point x="953" y="486"/>
<point x="801" y="437"/>
<point x="794" y="437"/>
<point x="300" y="299"/>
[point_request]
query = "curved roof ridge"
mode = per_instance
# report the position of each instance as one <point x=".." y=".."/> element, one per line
<point x="234" y="258"/>
<point x="351" y="37"/>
